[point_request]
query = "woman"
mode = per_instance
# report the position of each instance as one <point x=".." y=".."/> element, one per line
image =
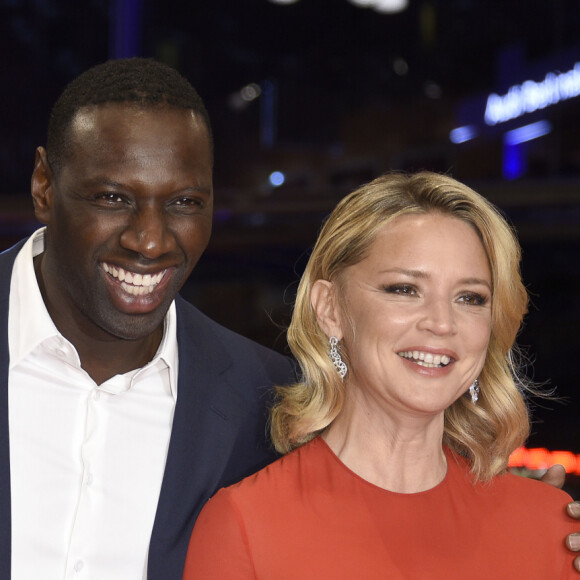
<point x="399" y="435"/>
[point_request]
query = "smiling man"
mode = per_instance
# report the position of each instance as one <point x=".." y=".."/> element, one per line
<point x="124" y="408"/>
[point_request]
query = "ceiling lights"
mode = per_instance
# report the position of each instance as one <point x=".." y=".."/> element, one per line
<point x="383" y="6"/>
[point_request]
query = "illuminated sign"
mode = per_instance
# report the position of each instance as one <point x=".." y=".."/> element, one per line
<point x="463" y="134"/>
<point x="540" y="458"/>
<point x="527" y="133"/>
<point x="531" y="96"/>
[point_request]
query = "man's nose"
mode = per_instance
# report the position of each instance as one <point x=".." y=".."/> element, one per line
<point x="148" y="233"/>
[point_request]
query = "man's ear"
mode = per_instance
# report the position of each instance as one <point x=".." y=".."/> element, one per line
<point x="41" y="186"/>
<point x="324" y="301"/>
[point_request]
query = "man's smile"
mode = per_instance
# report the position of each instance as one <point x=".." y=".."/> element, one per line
<point x="133" y="282"/>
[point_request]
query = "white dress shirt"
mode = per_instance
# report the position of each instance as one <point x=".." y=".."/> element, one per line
<point x="86" y="461"/>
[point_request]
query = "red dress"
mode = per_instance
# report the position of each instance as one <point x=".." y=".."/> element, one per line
<point x="307" y="516"/>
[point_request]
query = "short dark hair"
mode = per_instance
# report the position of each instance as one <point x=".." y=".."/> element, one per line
<point x="143" y="81"/>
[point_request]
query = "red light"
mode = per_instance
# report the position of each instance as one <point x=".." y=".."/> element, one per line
<point x="540" y="458"/>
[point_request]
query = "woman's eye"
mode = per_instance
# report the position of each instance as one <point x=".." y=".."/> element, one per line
<point x="473" y="299"/>
<point x="401" y="289"/>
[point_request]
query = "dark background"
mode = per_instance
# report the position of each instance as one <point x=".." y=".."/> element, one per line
<point x="347" y="93"/>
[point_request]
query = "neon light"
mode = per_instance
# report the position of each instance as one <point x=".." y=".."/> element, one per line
<point x="250" y="92"/>
<point x="126" y="18"/>
<point x="514" y="158"/>
<point x="531" y="96"/>
<point x="527" y="133"/>
<point x="540" y="458"/>
<point x="463" y="134"/>
<point x="277" y="178"/>
<point x="384" y="6"/>
<point x="390" y="6"/>
<point x="514" y="161"/>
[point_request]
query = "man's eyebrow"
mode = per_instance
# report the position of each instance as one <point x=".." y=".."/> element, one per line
<point x="103" y="181"/>
<point x="196" y="189"/>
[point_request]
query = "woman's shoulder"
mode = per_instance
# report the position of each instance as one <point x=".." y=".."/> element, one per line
<point x="509" y="494"/>
<point x="507" y="483"/>
<point x="282" y="478"/>
<point x="527" y="487"/>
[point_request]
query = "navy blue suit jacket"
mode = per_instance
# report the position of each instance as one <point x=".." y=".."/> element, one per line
<point x="218" y="434"/>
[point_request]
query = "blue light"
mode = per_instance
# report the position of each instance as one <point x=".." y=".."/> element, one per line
<point x="277" y="178"/>
<point x="514" y="161"/>
<point x="268" y="113"/>
<point x="463" y="134"/>
<point x="527" y="133"/>
<point x="532" y="96"/>
<point x="125" y="36"/>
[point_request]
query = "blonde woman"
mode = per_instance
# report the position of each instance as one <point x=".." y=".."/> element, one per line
<point x="398" y="436"/>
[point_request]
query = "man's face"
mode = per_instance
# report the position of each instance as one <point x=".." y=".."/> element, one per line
<point x="128" y="214"/>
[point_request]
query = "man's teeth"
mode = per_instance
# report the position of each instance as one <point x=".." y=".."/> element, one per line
<point x="133" y="283"/>
<point x="426" y="359"/>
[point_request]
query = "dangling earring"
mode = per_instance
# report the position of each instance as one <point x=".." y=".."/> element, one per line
<point x="474" y="391"/>
<point x="334" y="355"/>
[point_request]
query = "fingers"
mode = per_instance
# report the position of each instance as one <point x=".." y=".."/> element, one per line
<point x="574" y="511"/>
<point x="573" y="540"/>
<point x="555" y="475"/>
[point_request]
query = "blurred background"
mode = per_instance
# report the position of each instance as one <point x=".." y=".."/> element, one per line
<point x="311" y="98"/>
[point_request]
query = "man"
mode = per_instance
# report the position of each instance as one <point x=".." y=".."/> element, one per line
<point x="123" y="408"/>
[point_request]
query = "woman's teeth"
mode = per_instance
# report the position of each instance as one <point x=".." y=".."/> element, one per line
<point x="426" y="359"/>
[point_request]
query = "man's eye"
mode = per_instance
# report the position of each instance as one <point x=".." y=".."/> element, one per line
<point x="187" y="205"/>
<point x="188" y="202"/>
<point x="109" y="198"/>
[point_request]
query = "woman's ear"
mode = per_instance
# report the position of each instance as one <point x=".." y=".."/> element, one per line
<point x="324" y="301"/>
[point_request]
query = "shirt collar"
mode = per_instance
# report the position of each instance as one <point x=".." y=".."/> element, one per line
<point x="30" y="325"/>
<point x="168" y="351"/>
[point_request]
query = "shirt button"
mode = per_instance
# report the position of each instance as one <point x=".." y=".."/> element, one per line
<point x="78" y="565"/>
<point x="89" y="479"/>
<point x="96" y="395"/>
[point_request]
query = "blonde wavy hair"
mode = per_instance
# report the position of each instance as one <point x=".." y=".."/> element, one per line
<point x="485" y="433"/>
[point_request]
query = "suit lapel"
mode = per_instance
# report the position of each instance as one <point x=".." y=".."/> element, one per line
<point x="201" y="436"/>
<point x="6" y="264"/>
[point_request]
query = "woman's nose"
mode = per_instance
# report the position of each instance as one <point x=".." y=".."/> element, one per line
<point x="438" y="317"/>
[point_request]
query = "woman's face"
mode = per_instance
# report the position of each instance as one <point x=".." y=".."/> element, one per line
<point x="415" y="314"/>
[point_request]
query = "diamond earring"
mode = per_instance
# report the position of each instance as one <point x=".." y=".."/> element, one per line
<point x="334" y="355"/>
<point x="474" y="391"/>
